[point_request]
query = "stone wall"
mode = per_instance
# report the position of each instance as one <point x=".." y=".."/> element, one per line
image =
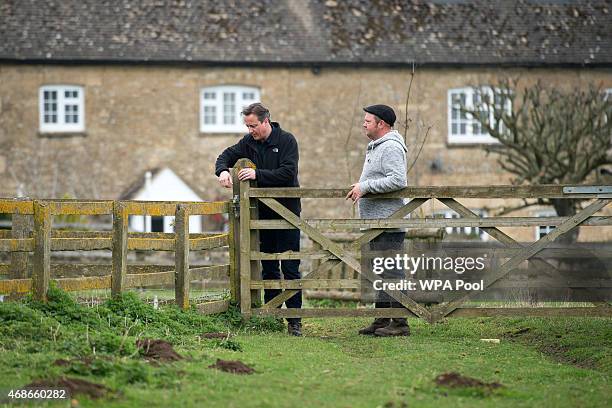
<point x="143" y="117"/>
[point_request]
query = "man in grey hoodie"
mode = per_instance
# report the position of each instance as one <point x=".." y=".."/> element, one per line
<point x="384" y="171"/>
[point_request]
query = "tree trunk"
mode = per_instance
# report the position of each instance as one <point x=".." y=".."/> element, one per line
<point x="566" y="207"/>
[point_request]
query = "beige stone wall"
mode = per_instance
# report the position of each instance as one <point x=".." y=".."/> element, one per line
<point x="138" y="118"/>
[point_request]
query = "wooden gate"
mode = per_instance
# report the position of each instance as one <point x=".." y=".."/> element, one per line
<point x="332" y="255"/>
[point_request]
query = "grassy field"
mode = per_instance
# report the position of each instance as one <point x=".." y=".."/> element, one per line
<point x="560" y="362"/>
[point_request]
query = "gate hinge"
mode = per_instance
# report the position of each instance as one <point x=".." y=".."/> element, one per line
<point x="601" y="191"/>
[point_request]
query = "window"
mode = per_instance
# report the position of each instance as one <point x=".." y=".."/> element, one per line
<point x="542" y="230"/>
<point x="462" y="127"/>
<point x="221" y="107"/>
<point x="61" y="108"/>
<point x="464" y="232"/>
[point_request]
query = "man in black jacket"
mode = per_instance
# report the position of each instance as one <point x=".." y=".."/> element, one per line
<point x="275" y="154"/>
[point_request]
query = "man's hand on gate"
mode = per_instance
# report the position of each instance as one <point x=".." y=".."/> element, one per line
<point x="246" y="174"/>
<point x="355" y="194"/>
<point x="225" y="179"/>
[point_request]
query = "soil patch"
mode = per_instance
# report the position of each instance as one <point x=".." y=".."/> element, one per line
<point x="216" y="335"/>
<point x="73" y="385"/>
<point x="456" y="380"/>
<point x="235" y="367"/>
<point x="158" y="350"/>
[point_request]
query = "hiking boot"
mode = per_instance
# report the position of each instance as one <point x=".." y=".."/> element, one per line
<point x="397" y="327"/>
<point x="377" y="324"/>
<point x="294" y="329"/>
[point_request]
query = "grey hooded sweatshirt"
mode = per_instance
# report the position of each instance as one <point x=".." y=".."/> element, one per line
<point x="384" y="171"/>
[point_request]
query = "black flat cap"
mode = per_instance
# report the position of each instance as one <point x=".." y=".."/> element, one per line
<point x="382" y="111"/>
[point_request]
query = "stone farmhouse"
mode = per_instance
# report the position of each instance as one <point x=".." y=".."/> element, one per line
<point x="99" y="97"/>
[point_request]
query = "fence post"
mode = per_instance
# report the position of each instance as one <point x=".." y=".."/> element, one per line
<point x="181" y="256"/>
<point x="249" y="241"/>
<point x="234" y="238"/>
<point x="120" y="243"/>
<point x="20" y="229"/>
<point x="41" y="272"/>
<point x="245" y="251"/>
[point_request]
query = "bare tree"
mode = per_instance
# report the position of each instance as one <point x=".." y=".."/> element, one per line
<point x="546" y="135"/>
<point x="414" y="148"/>
<point x="415" y="143"/>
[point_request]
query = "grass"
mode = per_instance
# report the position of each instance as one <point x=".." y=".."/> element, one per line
<point x="553" y="362"/>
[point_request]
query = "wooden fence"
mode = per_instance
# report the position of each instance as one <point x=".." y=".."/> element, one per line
<point x="119" y="275"/>
<point x="242" y="241"/>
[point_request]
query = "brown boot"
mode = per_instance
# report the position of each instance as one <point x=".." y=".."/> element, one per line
<point x="397" y="327"/>
<point x="377" y="324"/>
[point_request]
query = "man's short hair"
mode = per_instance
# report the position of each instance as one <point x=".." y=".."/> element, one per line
<point x="258" y="110"/>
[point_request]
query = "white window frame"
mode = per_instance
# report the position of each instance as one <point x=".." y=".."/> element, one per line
<point x="219" y="108"/>
<point x="483" y="236"/>
<point x="62" y="102"/>
<point x="542" y="230"/>
<point x="469" y="137"/>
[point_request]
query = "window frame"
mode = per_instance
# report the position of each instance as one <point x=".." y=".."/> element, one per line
<point x="544" y="213"/>
<point x="466" y="232"/>
<point x="469" y="137"/>
<point x="61" y="126"/>
<point x="219" y="104"/>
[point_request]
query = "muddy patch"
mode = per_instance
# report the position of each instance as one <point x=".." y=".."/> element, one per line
<point x="456" y="380"/>
<point x="157" y="350"/>
<point x="75" y="386"/>
<point x="234" y="367"/>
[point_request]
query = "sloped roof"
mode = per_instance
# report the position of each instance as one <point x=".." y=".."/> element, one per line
<point x="315" y="32"/>
<point x="139" y="184"/>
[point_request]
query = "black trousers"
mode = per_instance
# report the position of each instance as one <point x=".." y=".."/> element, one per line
<point x="281" y="241"/>
<point x="389" y="241"/>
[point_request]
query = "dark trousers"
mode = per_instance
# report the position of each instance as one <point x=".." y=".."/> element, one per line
<point x="393" y="242"/>
<point x="281" y="241"/>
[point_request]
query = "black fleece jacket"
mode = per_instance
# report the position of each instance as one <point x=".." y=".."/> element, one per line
<point x="276" y="161"/>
